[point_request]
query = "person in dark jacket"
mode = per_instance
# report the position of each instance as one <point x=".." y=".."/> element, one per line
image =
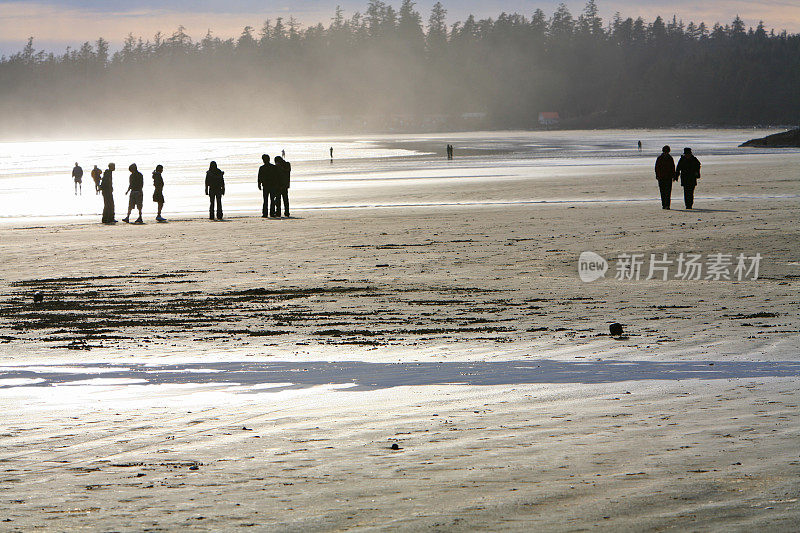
<point x="158" y="191"/>
<point x="97" y="174"/>
<point x="77" y="175"/>
<point x="136" y="191"/>
<point x="215" y="189"/>
<point x="665" y="174"/>
<point x="266" y="184"/>
<point x="689" y="170"/>
<point x="284" y="178"/>
<point x="107" y="189"/>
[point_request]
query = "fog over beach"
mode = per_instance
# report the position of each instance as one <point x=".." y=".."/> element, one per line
<point x="457" y="328"/>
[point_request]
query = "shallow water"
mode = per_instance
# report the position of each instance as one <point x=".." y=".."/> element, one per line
<point x="383" y="170"/>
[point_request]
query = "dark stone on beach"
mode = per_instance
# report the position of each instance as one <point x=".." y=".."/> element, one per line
<point x="395" y="446"/>
<point x="38" y="297"/>
<point x="787" y="139"/>
<point x="615" y="329"/>
<point x="194" y="467"/>
<point x="383" y="265"/>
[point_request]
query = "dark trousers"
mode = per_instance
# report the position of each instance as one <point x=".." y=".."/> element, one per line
<point x="275" y="203"/>
<point x="265" y="209"/>
<point x="665" y="186"/>
<point x="283" y="193"/>
<point x="215" y="196"/>
<point x="108" y="207"/>
<point x="688" y="196"/>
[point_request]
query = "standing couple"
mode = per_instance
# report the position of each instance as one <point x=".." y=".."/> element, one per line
<point x="273" y="181"/>
<point x="688" y="170"/>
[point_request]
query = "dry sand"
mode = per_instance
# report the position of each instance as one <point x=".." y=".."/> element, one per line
<point x="155" y="421"/>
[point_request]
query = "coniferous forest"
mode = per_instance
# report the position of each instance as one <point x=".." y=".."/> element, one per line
<point x="391" y="68"/>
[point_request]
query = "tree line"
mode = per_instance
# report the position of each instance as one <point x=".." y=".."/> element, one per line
<point x="387" y="67"/>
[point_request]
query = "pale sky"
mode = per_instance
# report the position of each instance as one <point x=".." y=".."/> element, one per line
<point x="54" y="24"/>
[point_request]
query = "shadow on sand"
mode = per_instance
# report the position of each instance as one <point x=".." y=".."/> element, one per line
<point x="369" y="376"/>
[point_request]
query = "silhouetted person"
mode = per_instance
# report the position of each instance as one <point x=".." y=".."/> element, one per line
<point x="77" y="175"/>
<point x="640" y="145"/>
<point x="267" y="181"/>
<point x="107" y="189"/>
<point x="158" y="191"/>
<point x="215" y="189"/>
<point x="689" y="170"/>
<point x="136" y="191"/>
<point x="665" y="174"/>
<point x="97" y="174"/>
<point x="283" y="154"/>
<point x="331" y="153"/>
<point x="284" y="169"/>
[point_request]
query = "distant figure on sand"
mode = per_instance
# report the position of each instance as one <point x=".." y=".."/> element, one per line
<point x="284" y="169"/>
<point x="283" y="154"/>
<point x="449" y="151"/>
<point x="689" y="170"/>
<point x="267" y="184"/>
<point x="158" y="191"/>
<point x="665" y="174"/>
<point x="215" y="189"/>
<point x="77" y="175"/>
<point x="136" y="190"/>
<point x="640" y="146"/>
<point x="107" y="188"/>
<point x="97" y="174"/>
<point x="331" y="153"/>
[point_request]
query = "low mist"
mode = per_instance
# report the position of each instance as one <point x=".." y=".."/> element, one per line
<point x="392" y="70"/>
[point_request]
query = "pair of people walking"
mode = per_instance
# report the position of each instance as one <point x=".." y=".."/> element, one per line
<point x="135" y="191"/>
<point x="274" y="181"/>
<point x="688" y="169"/>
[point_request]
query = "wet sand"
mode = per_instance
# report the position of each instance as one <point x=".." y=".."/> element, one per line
<point x="510" y="404"/>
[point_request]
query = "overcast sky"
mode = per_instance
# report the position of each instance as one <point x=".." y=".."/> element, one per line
<point x="57" y="23"/>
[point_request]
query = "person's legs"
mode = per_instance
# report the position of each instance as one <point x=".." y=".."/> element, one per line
<point x="139" y="208"/>
<point x="285" y="195"/>
<point x="665" y="186"/>
<point x="211" y="206"/>
<point x="274" y="207"/>
<point x="160" y="207"/>
<point x="265" y="206"/>
<point x="219" y="206"/>
<point x="688" y="197"/>
<point x="108" y="208"/>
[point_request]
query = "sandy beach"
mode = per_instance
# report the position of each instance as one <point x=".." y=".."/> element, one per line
<point x="257" y="373"/>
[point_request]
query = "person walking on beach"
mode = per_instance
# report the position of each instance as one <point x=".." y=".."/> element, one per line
<point x="266" y="184"/>
<point x="640" y="146"/>
<point x="215" y="189"/>
<point x="158" y="191"/>
<point x="331" y="153"/>
<point x="665" y="175"/>
<point x="107" y="189"/>
<point x="284" y="170"/>
<point x="136" y="190"/>
<point x="77" y="176"/>
<point x="97" y="174"/>
<point x="689" y="170"/>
